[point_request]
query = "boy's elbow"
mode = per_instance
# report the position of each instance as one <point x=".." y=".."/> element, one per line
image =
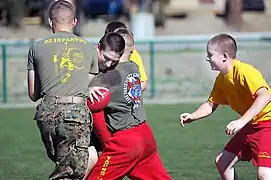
<point x="33" y="97"/>
<point x="211" y="106"/>
<point x="264" y="94"/>
<point x="144" y="85"/>
<point x="269" y="96"/>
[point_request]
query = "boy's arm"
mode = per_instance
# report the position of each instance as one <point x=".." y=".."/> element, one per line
<point x="216" y="97"/>
<point x="144" y="85"/>
<point x="33" y="86"/>
<point x="263" y="97"/>
<point x="204" y="110"/>
<point x="259" y="89"/>
<point x="254" y="83"/>
<point x="135" y="57"/>
<point x="33" y="82"/>
<point x="100" y="126"/>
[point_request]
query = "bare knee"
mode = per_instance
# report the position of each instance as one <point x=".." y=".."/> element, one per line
<point x="264" y="173"/>
<point x="93" y="157"/>
<point x="225" y="160"/>
<point x="92" y="160"/>
<point x="217" y="158"/>
<point x="219" y="162"/>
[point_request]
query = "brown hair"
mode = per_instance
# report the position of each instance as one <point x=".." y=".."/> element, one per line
<point x="113" y="42"/>
<point x="62" y="12"/>
<point x="112" y="26"/>
<point x="224" y="43"/>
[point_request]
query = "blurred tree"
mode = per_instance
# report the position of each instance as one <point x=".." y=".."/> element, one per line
<point x="234" y="14"/>
<point x="14" y="12"/>
<point x="79" y="15"/>
<point x="146" y="5"/>
<point x="160" y="16"/>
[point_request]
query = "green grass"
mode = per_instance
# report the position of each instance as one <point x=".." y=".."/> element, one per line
<point x="188" y="153"/>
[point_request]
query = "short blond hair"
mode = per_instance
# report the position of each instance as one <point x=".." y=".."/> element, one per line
<point x="224" y="43"/>
<point x="128" y="37"/>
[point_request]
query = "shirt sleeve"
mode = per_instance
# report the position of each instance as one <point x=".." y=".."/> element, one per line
<point x="135" y="57"/>
<point x="31" y="58"/>
<point x="253" y="80"/>
<point x="217" y="95"/>
<point x="94" y="67"/>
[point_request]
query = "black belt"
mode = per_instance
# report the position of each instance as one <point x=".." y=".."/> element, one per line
<point x="65" y="99"/>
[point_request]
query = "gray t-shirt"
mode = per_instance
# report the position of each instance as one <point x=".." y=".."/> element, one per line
<point x="62" y="63"/>
<point x="126" y="107"/>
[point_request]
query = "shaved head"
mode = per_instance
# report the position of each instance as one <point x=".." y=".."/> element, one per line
<point x="128" y="37"/>
<point x="62" y="12"/>
<point x="223" y="43"/>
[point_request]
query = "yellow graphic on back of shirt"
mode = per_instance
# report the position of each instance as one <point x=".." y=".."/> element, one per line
<point x="63" y="40"/>
<point x="67" y="60"/>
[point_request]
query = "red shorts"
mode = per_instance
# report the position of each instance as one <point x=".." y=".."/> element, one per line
<point x="130" y="153"/>
<point x="253" y="143"/>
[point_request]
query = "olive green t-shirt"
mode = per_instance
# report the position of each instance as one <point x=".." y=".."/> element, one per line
<point x="126" y="107"/>
<point x="62" y="63"/>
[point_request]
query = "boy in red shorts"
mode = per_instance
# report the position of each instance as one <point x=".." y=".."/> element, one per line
<point x="130" y="149"/>
<point x="243" y="88"/>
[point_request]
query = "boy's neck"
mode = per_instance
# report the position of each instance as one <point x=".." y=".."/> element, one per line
<point x="124" y="58"/>
<point x="62" y="29"/>
<point x="228" y="67"/>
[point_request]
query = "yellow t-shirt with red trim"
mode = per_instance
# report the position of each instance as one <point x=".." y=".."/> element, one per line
<point x="135" y="57"/>
<point x="237" y="89"/>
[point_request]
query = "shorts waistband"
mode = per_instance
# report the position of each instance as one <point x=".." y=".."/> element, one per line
<point x="65" y="99"/>
<point x="262" y="124"/>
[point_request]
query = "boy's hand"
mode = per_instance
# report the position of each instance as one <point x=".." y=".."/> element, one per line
<point x="186" y="118"/>
<point x="95" y="92"/>
<point x="235" y="126"/>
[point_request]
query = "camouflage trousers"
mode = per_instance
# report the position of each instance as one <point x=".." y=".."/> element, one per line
<point x="65" y="131"/>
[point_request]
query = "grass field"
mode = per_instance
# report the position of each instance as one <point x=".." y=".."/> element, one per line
<point x="187" y="153"/>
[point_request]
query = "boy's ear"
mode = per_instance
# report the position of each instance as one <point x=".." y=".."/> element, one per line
<point x="97" y="45"/>
<point x="225" y="57"/>
<point x="50" y="22"/>
<point x="74" y="22"/>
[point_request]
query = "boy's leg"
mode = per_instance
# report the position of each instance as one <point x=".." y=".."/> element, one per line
<point x="92" y="160"/>
<point x="264" y="173"/>
<point x="260" y="144"/>
<point x="235" y="150"/>
<point x="225" y="162"/>
<point x="150" y="168"/>
<point x="119" y="156"/>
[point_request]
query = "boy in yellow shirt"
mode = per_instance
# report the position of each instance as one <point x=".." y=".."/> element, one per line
<point x="243" y="88"/>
